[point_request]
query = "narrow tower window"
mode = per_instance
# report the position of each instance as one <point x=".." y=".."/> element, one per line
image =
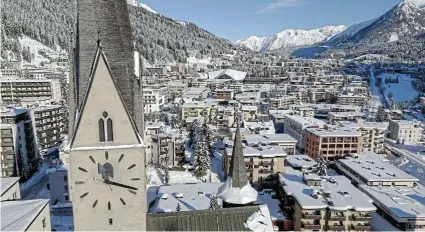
<point x="110" y="130"/>
<point x="101" y="130"/>
<point x="106" y="129"/>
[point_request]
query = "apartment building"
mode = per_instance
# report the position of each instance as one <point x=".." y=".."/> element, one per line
<point x="199" y="109"/>
<point x="286" y="142"/>
<point x="11" y="73"/>
<point x="224" y="94"/>
<point x="397" y="195"/>
<point x="14" y="90"/>
<point x="352" y="99"/>
<point x="225" y="116"/>
<point x="335" y="117"/>
<point x="249" y="113"/>
<point x="18" y="141"/>
<point x="331" y="144"/>
<point x="153" y="98"/>
<point x="49" y="123"/>
<point x="196" y="94"/>
<point x="322" y="111"/>
<point x="282" y="102"/>
<point x="260" y="162"/>
<point x="404" y="131"/>
<point x="373" y="134"/>
<point x="167" y="150"/>
<point x="324" y="203"/>
<point x="261" y="127"/>
<point x="295" y="125"/>
<point x="59" y="190"/>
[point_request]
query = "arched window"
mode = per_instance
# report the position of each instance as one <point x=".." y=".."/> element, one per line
<point x="106" y="130"/>
<point x="101" y="130"/>
<point x="110" y="130"/>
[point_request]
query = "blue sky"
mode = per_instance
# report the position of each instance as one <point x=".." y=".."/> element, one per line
<point x="237" y="19"/>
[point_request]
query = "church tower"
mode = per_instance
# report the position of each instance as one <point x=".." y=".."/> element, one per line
<point x="107" y="165"/>
<point x="108" y="21"/>
<point x="236" y="190"/>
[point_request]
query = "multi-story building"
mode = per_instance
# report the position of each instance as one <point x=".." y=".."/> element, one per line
<point x="196" y="94"/>
<point x="262" y="127"/>
<point x="49" y="123"/>
<point x="199" y="109"/>
<point x="322" y="111"/>
<point x="154" y="98"/>
<point x="397" y="195"/>
<point x="59" y="190"/>
<point x="249" y="113"/>
<point x="335" y="117"/>
<point x="373" y="134"/>
<point x="404" y="131"/>
<point x="224" y="93"/>
<point x="352" y="99"/>
<point x="295" y="125"/>
<point x="332" y="144"/>
<point x="260" y="162"/>
<point x="167" y="150"/>
<point x="286" y="142"/>
<point x="14" y="90"/>
<point x="224" y="116"/>
<point x="323" y="203"/>
<point x="18" y="142"/>
<point x="282" y="102"/>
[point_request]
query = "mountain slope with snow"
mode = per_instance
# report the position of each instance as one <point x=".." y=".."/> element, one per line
<point x="291" y="38"/>
<point x="139" y="4"/>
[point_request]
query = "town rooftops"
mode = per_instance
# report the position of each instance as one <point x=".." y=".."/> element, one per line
<point x="334" y="133"/>
<point x="19" y="215"/>
<point x="367" y="125"/>
<point x="403" y="202"/>
<point x="335" y="193"/>
<point x="10" y="112"/>
<point x="269" y="138"/>
<point x="223" y="73"/>
<point x="190" y="196"/>
<point x="262" y="151"/>
<point x="373" y="167"/>
<point x="347" y="114"/>
<point x="7" y="183"/>
<point x="249" y="108"/>
<point x="300" y="161"/>
<point x="306" y="121"/>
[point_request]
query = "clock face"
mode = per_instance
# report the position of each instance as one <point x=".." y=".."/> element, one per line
<point x="113" y="176"/>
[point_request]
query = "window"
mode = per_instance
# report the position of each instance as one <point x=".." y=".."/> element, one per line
<point x="65" y="178"/>
<point x="48" y="186"/>
<point x="65" y="187"/>
<point x="106" y="132"/>
<point x="110" y="221"/>
<point x="44" y="223"/>
<point x="66" y="198"/>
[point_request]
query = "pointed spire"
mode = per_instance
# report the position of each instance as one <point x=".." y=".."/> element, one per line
<point x="237" y="169"/>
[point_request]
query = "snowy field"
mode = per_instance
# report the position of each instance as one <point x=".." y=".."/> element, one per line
<point x="403" y="90"/>
<point x="36" y="46"/>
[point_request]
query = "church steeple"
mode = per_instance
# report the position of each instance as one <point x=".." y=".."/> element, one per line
<point x="236" y="191"/>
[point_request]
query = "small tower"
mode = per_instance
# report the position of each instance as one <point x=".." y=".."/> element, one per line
<point x="236" y="191"/>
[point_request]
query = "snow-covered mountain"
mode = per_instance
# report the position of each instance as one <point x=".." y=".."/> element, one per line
<point x="291" y="38"/>
<point x="137" y="3"/>
<point x="405" y="20"/>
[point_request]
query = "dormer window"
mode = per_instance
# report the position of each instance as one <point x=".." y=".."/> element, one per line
<point x="106" y="132"/>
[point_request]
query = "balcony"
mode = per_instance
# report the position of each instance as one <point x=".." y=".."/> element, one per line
<point x="267" y="163"/>
<point x="361" y="218"/>
<point x="311" y="227"/>
<point x="336" y="227"/>
<point x="312" y="216"/>
<point x="361" y="228"/>
<point x="263" y="171"/>
<point x="336" y="218"/>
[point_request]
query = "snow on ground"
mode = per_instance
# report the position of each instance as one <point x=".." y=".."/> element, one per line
<point x="402" y="91"/>
<point x="194" y="60"/>
<point x="393" y="37"/>
<point x="138" y="3"/>
<point x="62" y="223"/>
<point x="35" y="46"/>
<point x="260" y="221"/>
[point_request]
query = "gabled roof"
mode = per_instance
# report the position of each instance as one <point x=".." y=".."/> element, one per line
<point x="100" y="55"/>
<point x="19" y="215"/>
<point x="7" y="183"/>
<point x="234" y="74"/>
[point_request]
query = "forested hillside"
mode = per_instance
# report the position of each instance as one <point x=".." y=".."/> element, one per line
<point x="52" y="22"/>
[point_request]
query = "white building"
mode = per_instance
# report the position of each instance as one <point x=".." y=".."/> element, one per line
<point x="154" y="99"/>
<point x="295" y="125"/>
<point x="405" y="131"/>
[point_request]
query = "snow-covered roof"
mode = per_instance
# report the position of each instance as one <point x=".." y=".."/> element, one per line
<point x="347" y="114"/>
<point x="241" y="196"/>
<point x="269" y="138"/>
<point x="373" y="167"/>
<point x="366" y="125"/>
<point x="190" y="196"/>
<point x="260" y="221"/>
<point x="342" y="194"/>
<point x="263" y="151"/>
<point x="272" y="203"/>
<point x="339" y="132"/>
<point x="19" y="215"/>
<point x="300" y="161"/>
<point x="234" y="74"/>
<point x="7" y="183"/>
<point x="402" y="202"/>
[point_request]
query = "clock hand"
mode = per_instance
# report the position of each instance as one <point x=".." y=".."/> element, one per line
<point x="120" y="185"/>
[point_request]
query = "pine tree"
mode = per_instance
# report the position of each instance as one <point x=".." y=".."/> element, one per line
<point x="381" y="114"/>
<point x="193" y="133"/>
<point x="322" y="168"/>
<point x="178" y="208"/>
<point x="214" y="204"/>
<point x="202" y="157"/>
<point x="167" y="175"/>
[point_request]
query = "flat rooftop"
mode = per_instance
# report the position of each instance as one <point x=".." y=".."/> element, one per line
<point x="269" y="138"/>
<point x="305" y="120"/>
<point x="263" y="151"/>
<point x="333" y="133"/>
<point x="368" y="125"/>
<point x="300" y="161"/>
<point x="401" y="201"/>
<point x="347" y="114"/>
<point x="373" y="167"/>
<point x="341" y="194"/>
